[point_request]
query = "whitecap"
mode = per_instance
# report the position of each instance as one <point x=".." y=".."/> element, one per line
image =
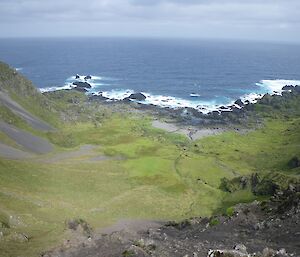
<point x="275" y="86"/>
<point x="117" y="94"/>
<point x="265" y="86"/>
<point x="51" y="89"/>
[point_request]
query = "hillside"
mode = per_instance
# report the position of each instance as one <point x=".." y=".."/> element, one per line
<point x="65" y="157"/>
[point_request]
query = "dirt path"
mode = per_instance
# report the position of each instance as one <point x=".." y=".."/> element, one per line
<point x="85" y="150"/>
<point x="32" y="120"/>
<point x="31" y="143"/>
<point x="9" y="152"/>
<point x="86" y="153"/>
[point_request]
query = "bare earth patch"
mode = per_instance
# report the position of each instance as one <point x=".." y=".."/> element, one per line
<point x="192" y="133"/>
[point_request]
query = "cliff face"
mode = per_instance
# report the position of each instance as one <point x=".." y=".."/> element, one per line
<point x="267" y="229"/>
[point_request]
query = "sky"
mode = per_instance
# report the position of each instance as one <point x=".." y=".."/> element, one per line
<point x="267" y="20"/>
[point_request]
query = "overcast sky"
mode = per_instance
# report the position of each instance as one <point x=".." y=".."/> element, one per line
<point x="274" y="20"/>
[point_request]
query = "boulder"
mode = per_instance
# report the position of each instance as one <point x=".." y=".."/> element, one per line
<point x="82" y="84"/>
<point x="294" y="162"/>
<point x="77" y="76"/>
<point x="87" y="77"/>
<point x="239" y="102"/>
<point x="136" y="96"/>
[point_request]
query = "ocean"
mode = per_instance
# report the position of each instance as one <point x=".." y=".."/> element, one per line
<point x="174" y="73"/>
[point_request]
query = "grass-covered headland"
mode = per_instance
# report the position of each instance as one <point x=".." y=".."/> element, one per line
<point x="108" y="163"/>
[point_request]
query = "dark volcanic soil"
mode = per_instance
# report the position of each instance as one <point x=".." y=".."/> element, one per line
<point x="274" y="224"/>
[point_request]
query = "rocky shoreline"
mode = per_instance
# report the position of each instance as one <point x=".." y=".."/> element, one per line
<point x="237" y="113"/>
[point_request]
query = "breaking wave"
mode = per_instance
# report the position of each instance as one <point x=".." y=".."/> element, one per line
<point x="263" y="87"/>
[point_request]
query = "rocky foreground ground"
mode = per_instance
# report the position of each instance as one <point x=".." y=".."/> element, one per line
<point x="265" y="229"/>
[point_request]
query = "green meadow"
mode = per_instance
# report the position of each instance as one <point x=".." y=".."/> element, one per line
<point x="148" y="174"/>
<point x="110" y="164"/>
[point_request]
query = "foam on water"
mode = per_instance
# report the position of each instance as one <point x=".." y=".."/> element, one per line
<point x="275" y="86"/>
<point x="117" y="94"/>
<point x="263" y="87"/>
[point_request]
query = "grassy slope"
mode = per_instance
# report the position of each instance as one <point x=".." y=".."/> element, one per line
<point x="160" y="175"/>
<point x="25" y="93"/>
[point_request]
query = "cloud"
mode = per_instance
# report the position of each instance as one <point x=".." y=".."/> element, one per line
<point x="206" y="14"/>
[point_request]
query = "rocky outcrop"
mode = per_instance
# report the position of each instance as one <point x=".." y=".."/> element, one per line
<point x="257" y="229"/>
<point x="80" y="84"/>
<point x="136" y="96"/>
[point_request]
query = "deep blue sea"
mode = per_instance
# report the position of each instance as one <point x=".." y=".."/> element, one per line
<point x="167" y="71"/>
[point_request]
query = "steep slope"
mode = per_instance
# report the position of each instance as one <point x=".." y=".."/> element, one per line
<point x="23" y="99"/>
<point x="22" y="108"/>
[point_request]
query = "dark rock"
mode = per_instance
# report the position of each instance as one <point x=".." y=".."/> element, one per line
<point x="239" y="102"/>
<point x="265" y="187"/>
<point x="82" y="84"/>
<point x="79" y="225"/>
<point x="254" y="180"/>
<point x="294" y="162"/>
<point x="77" y="76"/>
<point x="88" y="77"/>
<point x="223" y="108"/>
<point x="80" y="89"/>
<point x="266" y="99"/>
<point x="136" y="96"/>
<point x="288" y="87"/>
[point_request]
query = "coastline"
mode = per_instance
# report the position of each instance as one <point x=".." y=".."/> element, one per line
<point x="90" y="86"/>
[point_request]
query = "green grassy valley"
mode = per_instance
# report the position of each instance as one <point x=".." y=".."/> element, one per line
<point x="109" y="164"/>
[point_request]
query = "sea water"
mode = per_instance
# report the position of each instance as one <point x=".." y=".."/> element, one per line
<point x="169" y="72"/>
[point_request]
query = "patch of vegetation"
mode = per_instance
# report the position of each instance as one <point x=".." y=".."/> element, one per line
<point x="214" y="222"/>
<point x="230" y="211"/>
<point x="128" y="253"/>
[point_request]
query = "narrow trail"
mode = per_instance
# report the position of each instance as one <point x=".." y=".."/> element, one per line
<point x="17" y="109"/>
